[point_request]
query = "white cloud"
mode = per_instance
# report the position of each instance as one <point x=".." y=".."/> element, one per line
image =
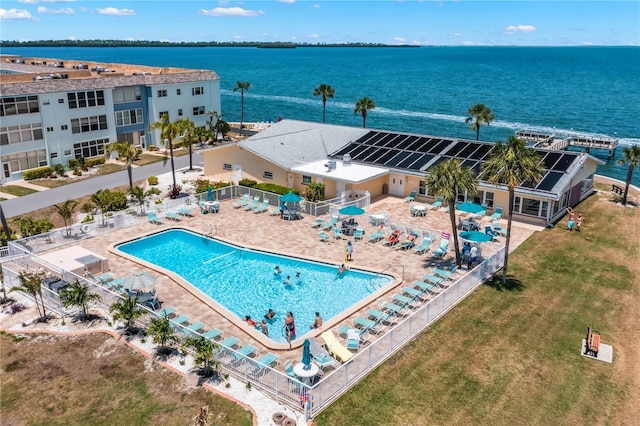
<point x="15" y="15"/>
<point x="231" y="11"/>
<point x="400" y="39"/>
<point x="45" y="1"/>
<point x="63" y="11"/>
<point x="116" y="12"/>
<point x="223" y="2"/>
<point x="457" y="35"/>
<point x="28" y="1"/>
<point x="71" y="38"/>
<point x="287" y="1"/>
<point x="316" y="6"/>
<point x="313" y="36"/>
<point x="512" y="29"/>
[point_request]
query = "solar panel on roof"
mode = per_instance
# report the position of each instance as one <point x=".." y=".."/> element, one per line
<point x="439" y="160"/>
<point x="467" y="151"/>
<point x="564" y="162"/>
<point x="362" y="156"/>
<point x="375" y="139"/>
<point x="439" y="147"/>
<point x="345" y="150"/>
<point x="416" y="142"/>
<point x="469" y="163"/>
<point x="386" y="139"/>
<point x="368" y="136"/>
<point x="403" y="144"/>
<point x="454" y="150"/>
<point x="357" y="150"/>
<point x="388" y="156"/>
<point x="479" y="153"/>
<point x="418" y="165"/>
<point x="550" y="159"/>
<point x="549" y="181"/>
<point x="374" y="158"/>
<point x="398" y="158"/>
<point x="422" y="145"/>
<point x="407" y="162"/>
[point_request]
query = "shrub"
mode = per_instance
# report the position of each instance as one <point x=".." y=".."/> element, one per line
<point x="73" y="163"/>
<point x="153" y="180"/>
<point x="154" y="191"/>
<point x="93" y="162"/>
<point x="87" y="219"/>
<point x="77" y="171"/>
<point x="201" y="185"/>
<point x="59" y="169"/>
<point x="271" y="187"/>
<point x="39" y="173"/>
<point x="158" y="201"/>
<point x="87" y="207"/>
<point x="118" y="200"/>
<point x="152" y="148"/>
<point x="218" y="185"/>
<point x="174" y="191"/>
<point x="17" y="307"/>
<point x="248" y="182"/>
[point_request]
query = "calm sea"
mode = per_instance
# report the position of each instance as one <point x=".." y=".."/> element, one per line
<point x="593" y="90"/>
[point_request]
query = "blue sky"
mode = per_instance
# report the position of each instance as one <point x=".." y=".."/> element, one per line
<point x="426" y="22"/>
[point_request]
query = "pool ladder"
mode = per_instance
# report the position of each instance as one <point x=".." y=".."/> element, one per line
<point x="213" y="230"/>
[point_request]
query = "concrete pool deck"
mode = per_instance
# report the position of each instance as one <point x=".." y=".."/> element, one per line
<point x="299" y="239"/>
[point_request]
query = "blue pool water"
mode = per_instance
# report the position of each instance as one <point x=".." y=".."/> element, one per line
<point x="243" y="280"/>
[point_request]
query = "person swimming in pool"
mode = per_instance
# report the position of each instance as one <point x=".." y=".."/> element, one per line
<point x="269" y="315"/>
<point x="277" y="271"/>
<point x="298" y="275"/>
<point x="286" y="280"/>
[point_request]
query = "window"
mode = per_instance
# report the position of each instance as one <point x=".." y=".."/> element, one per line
<point x="53" y="155"/>
<point x="88" y="124"/>
<point x="198" y="110"/>
<point x="267" y="175"/>
<point x="587" y="184"/>
<point x="90" y="148"/>
<point x="67" y="152"/>
<point x="26" y="160"/>
<point x="86" y="99"/>
<point x="422" y="188"/>
<point x="162" y="93"/>
<point x="180" y="112"/>
<point x="128" y="117"/>
<point x="21" y="133"/>
<point x="484" y="198"/>
<point x="64" y="127"/>
<point x="19" y="105"/>
<point x="306" y="180"/>
<point x="178" y="92"/>
<point x="530" y="206"/>
<point x="46" y="102"/>
<point x="226" y="167"/>
<point x="163" y="113"/>
<point x="195" y="91"/>
<point x="60" y="101"/>
<point x="126" y="94"/>
<point x="49" y="129"/>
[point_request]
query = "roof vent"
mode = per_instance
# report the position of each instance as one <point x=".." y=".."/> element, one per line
<point x="331" y="165"/>
<point x="346" y="160"/>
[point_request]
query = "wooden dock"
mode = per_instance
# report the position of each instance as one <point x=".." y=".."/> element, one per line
<point x="552" y="141"/>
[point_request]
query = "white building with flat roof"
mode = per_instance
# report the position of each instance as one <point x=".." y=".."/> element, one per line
<point x="52" y="111"/>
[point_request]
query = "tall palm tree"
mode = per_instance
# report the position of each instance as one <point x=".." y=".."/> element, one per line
<point x="65" y="210"/>
<point x="162" y="333"/>
<point x="631" y="156"/>
<point x="78" y="294"/>
<point x="511" y="164"/>
<point x="481" y="114"/>
<point x="326" y="92"/>
<point x="127" y="153"/>
<point x="104" y="200"/>
<point x="242" y="86"/>
<point x="127" y="309"/>
<point x="446" y="180"/>
<point x="32" y="285"/>
<point x="168" y="131"/>
<point x="188" y="130"/>
<point x="214" y="127"/>
<point x="363" y="106"/>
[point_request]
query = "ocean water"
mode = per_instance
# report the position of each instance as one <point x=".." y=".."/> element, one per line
<point x="593" y="90"/>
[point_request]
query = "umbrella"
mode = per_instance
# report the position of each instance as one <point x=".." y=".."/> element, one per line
<point x="209" y="193"/>
<point x="290" y="197"/>
<point x="306" y="354"/>
<point x="351" y="211"/>
<point x="138" y="281"/>
<point x="470" y="207"/>
<point x="475" y="237"/>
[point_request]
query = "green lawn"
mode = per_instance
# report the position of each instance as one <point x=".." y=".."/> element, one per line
<point x="16" y="190"/>
<point x="510" y="355"/>
<point x="145" y="159"/>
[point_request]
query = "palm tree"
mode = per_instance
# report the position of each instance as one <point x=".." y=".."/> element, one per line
<point x="204" y="354"/>
<point x="326" y="92"/>
<point x="188" y="130"/>
<point x="168" y="131"/>
<point x="126" y="308"/>
<point x="127" y="153"/>
<point x="447" y="180"/>
<point x="214" y="127"/>
<point x="162" y="333"/>
<point x="32" y="285"/>
<point x="242" y="86"/>
<point x="202" y="419"/>
<point x="631" y="156"/>
<point x="510" y="165"/>
<point x="481" y="114"/>
<point x="138" y="194"/>
<point x="363" y="106"/>
<point x="103" y="199"/>
<point x="78" y="294"/>
<point x="65" y="210"/>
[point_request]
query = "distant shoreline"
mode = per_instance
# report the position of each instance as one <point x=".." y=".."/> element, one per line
<point x="142" y="43"/>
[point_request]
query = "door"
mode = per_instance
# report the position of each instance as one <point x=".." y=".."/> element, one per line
<point x="290" y="180"/>
<point x="396" y="184"/>
<point x="237" y="177"/>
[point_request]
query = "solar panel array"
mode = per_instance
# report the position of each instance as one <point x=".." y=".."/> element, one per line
<point x="418" y="153"/>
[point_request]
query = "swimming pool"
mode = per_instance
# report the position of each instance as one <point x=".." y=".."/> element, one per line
<point x="243" y="280"/>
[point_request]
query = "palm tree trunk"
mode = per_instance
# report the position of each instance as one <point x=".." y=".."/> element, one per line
<point x="456" y="244"/>
<point x="173" y="166"/>
<point x="364" y="121"/>
<point x="130" y="173"/>
<point x="478" y="133"/>
<point x="626" y="185"/>
<point x="324" y="109"/>
<point x="190" y="157"/>
<point x="506" y="246"/>
<point x="241" y="110"/>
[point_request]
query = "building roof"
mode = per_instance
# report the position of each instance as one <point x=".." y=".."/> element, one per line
<point x="350" y="173"/>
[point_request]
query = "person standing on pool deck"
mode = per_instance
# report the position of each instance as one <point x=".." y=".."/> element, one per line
<point x="349" y="251"/>
<point x="283" y="207"/>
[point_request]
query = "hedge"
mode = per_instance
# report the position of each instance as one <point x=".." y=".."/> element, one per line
<point x="92" y="162"/>
<point x="247" y="182"/>
<point x="39" y="173"/>
<point x="270" y="187"/>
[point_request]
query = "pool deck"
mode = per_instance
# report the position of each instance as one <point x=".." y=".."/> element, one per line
<point x="295" y="238"/>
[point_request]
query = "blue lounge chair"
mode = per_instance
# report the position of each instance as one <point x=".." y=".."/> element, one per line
<point x="344" y="329"/>
<point x="196" y="327"/>
<point x="266" y="360"/>
<point x="357" y="235"/>
<point x="214" y="333"/>
<point x="245" y="351"/>
<point x="432" y="279"/>
<point x="437" y="204"/>
<point x="393" y="308"/>
<point x="490" y="232"/>
<point x="229" y="342"/>
<point x="324" y="237"/>
<point x="403" y="300"/>
<point x="274" y="211"/>
<point x="411" y="196"/>
<point x="172" y="216"/>
<point x="412" y="292"/>
<point x="320" y="356"/>
<point x="441" y="251"/>
<point x="497" y="228"/>
<point x="153" y="218"/>
<point x="336" y="233"/>
<point x="241" y="202"/>
<point x="115" y="284"/>
<point x="262" y="207"/>
<point x="425" y="287"/>
<point x="181" y="319"/>
<point x="446" y="273"/>
<point x="252" y="205"/>
<point x="288" y="368"/>
<point x="409" y="243"/>
<point x="184" y="212"/>
<point x="168" y="311"/>
<point x="364" y="324"/>
<point x="374" y="238"/>
<point x="353" y="340"/>
<point x="330" y="224"/>
<point x="379" y="316"/>
<point x="424" y="245"/>
<point x="497" y="215"/>
<point x="318" y="222"/>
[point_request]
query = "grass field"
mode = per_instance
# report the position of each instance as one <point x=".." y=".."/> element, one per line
<point x="511" y="356"/>
<point x="16" y="190"/>
<point x="95" y="380"/>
